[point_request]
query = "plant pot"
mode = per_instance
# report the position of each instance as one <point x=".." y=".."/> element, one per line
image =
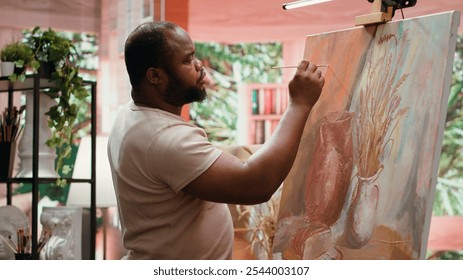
<point x="7" y="154"/>
<point x="7" y="68"/>
<point x="19" y="70"/>
<point x="46" y="69"/>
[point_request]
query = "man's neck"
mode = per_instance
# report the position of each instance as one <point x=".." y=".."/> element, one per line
<point x="166" y="107"/>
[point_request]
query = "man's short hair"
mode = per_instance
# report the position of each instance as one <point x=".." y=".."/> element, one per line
<point x="147" y="47"/>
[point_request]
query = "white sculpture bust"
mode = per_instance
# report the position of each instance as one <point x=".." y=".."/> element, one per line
<point x="64" y="224"/>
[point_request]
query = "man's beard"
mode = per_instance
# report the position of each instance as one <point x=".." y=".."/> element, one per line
<point x="179" y="94"/>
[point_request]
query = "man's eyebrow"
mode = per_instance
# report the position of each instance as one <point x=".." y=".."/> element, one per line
<point x="189" y="54"/>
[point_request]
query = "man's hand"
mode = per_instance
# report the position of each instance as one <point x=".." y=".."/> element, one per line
<point x="306" y="86"/>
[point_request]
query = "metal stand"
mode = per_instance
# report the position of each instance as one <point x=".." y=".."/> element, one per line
<point x="34" y="82"/>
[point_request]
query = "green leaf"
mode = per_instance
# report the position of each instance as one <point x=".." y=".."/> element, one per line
<point x="19" y="63"/>
<point x="35" y="65"/>
<point x="66" y="169"/>
<point x="13" y="78"/>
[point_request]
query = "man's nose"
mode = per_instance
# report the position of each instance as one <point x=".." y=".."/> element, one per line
<point x="198" y="64"/>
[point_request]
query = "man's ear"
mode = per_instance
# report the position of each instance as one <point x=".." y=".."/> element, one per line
<point x="154" y="75"/>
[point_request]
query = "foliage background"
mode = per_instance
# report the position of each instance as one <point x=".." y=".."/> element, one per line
<point x="449" y="190"/>
<point x="230" y="66"/>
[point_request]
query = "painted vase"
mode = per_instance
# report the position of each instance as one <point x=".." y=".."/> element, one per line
<point x="361" y="219"/>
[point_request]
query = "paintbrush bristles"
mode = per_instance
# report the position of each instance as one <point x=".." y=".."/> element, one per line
<point x="11" y="124"/>
<point x="295" y="66"/>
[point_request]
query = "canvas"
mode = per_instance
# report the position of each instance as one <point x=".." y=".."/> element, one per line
<point x="363" y="182"/>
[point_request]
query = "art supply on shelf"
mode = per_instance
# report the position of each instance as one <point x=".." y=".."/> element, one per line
<point x="22" y="247"/>
<point x="11" y="124"/>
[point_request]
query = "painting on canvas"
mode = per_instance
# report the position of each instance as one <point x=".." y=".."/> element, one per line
<point x="362" y="185"/>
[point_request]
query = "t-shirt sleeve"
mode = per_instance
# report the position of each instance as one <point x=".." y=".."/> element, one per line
<point x="179" y="154"/>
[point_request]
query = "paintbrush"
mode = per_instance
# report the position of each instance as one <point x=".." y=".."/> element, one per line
<point x="44" y="237"/>
<point x="295" y="66"/>
<point x="9" y="243"/>
<point x="10" y="124"/>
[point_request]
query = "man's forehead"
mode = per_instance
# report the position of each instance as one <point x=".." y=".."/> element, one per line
<point x="179" y="37"/>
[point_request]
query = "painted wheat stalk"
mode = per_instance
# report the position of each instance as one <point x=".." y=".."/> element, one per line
<point x="378" y="114"/>
<point x="377" y="118"/>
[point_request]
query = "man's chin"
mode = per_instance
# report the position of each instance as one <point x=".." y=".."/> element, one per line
<point x="201" y="93"/>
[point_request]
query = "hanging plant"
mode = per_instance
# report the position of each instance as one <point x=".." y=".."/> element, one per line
<point x="58" y="56"/>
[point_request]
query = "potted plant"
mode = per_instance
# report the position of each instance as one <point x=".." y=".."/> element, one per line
<point x="57" y="59"/>
<point x="51" y="50"/>
<point x="17" y="56"/>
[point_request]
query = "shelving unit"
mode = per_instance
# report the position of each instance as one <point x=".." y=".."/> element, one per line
<point x="260" y="107"/>
<point x="35" y="83"/>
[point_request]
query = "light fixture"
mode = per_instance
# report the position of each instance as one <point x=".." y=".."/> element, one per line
<point x="302" y="3"/>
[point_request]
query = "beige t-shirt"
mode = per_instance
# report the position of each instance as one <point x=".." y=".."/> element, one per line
<point x="153" y="155"/>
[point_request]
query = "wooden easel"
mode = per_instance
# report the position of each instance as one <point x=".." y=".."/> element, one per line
<point x="377" y="16"/>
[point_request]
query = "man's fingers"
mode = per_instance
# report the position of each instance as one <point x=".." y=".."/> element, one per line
<point x="307" y="65"/>
<point x="306" y="68"/>
<point x="303" y="65"/>
<point x="312" y="67"/>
